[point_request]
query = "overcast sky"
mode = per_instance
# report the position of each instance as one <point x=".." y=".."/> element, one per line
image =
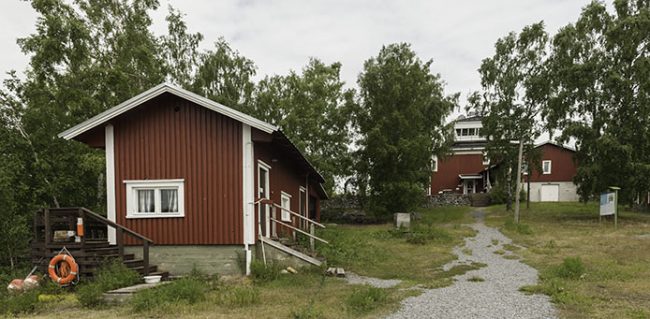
<point x="282" y="35"/>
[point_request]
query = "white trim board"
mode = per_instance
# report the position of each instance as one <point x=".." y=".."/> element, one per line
<point x="110" y="182"/>
<point x="154" y="92"/>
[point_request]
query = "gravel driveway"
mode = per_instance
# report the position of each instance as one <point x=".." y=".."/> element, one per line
<point x="496" y="297"/>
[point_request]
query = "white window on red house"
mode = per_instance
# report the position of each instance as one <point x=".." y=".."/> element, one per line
<point x="154" y="198"/>
<point x="286" y="206"/>
<point x="546" y="167"/>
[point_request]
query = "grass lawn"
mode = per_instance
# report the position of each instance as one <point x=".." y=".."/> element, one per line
<point x="590" y="269"/>
<point x="370" y="250"/>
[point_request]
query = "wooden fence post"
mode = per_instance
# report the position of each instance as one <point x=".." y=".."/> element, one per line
<point x="145" y="257"/>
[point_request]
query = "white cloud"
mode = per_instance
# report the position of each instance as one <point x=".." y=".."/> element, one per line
<point x="282" y="35"/>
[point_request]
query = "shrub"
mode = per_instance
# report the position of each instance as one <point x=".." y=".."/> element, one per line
<point x="366" y="299"/>
<point x="499" y="194"/>
<point x="571" y="268"/>
<point x="110" y="276"/>
<point x="90" y="295"/>
<point x="23" y="303"/>
<point x="188" y="290"/>
<point x="265" y="273"/>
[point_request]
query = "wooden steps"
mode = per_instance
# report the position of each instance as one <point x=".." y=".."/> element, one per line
<point x="93" y="249"/>
<point x="124" y="294"/>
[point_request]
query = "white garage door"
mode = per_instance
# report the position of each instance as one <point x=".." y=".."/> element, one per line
<point x="550" y="193"/>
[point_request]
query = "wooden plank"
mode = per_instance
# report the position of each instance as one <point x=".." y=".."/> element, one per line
<point x="298" y="230"/>
<point x="47" y="225"/>
<point x="145" y="257"/>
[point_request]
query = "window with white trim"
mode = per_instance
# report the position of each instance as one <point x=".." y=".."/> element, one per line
<point x="546" y="167"/>
<point x="155" y="198"/>
<point x="434" y="163"/>
<point x="285" y="200"/>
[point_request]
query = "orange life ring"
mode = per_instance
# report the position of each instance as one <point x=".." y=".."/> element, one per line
<point x="67" y="269"/>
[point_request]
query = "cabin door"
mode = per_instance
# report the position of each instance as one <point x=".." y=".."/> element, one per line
<point x="469" y="186"/>
<point x="264" y="192"/>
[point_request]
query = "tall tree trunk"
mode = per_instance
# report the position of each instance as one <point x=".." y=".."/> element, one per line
<point x="509" y="187"/>
<point x="518" y="186"/>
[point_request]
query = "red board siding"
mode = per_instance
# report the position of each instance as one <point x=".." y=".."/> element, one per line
<point x="171" y="138"/>
<point x="563" y="167"/>
<point x="449" y="168"/>
<point x="283" y="178"/>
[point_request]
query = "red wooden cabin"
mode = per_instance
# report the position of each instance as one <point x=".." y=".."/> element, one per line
<point x="188" y="173"/>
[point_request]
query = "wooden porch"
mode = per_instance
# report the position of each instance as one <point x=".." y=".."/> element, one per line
<point x="90" y="250"/>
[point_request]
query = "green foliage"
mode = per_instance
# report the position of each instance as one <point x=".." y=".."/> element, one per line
<point x="571" y="268"/>
<point x="224" y="75"/>
<point x="599" y="96"/>
<point x="110" y="276"/>
<point x="514" y="95"/>
<point x="364" y="300"/>
<point x="24" y="303"/>
<point x="314" y="110"/>
<point x="28" y="301"/>
<point x="400" y="124"/>
<point x="188" y="290"/>
<point x="262" y="273"/>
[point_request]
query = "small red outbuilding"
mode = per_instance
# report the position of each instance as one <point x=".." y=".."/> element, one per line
<point x="186" y="172"/>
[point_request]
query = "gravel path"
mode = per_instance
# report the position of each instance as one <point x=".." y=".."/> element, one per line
<point x="496" y="297"/>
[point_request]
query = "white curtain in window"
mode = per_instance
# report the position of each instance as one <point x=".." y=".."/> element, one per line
<point x="146" y="201"/>
<point x="168" y="200"/>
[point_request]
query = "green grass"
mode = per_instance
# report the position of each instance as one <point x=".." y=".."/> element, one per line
<point x="370" y="250"/>
<point x="476" y="279"/>
<point x="410" y="255"/>
<point x="365" y="299"/>
<point x="589" y="269"/>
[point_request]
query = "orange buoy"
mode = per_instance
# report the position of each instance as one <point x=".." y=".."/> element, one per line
<point x="63" y="269"/>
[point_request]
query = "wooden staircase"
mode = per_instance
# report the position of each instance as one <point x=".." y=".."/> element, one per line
<point x="93" y="249"/>
<point x="282" y="234"/>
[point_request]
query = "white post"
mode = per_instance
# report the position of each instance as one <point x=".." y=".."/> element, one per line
<point x="110" y="182"/>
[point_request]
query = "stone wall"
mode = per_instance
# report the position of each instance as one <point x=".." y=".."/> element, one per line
<point x="448" y="200"/>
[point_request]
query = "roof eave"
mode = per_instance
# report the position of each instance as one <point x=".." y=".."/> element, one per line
<point x="157" y="90"/>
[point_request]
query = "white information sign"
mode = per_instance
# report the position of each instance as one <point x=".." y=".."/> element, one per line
<point x="607" y="204"/>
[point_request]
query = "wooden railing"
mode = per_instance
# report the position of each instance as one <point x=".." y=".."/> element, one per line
<point x="86" y="215"/>
<point x="119" y="236"/>
<point x="311" y="224"/>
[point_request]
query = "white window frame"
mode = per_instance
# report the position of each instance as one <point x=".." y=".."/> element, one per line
<point x="544" y="171"/>
<point x="435" y="163"/>
<point x="285" y="216"/>
<point x="263" y="167"/>
<point x="132" y="187"/>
